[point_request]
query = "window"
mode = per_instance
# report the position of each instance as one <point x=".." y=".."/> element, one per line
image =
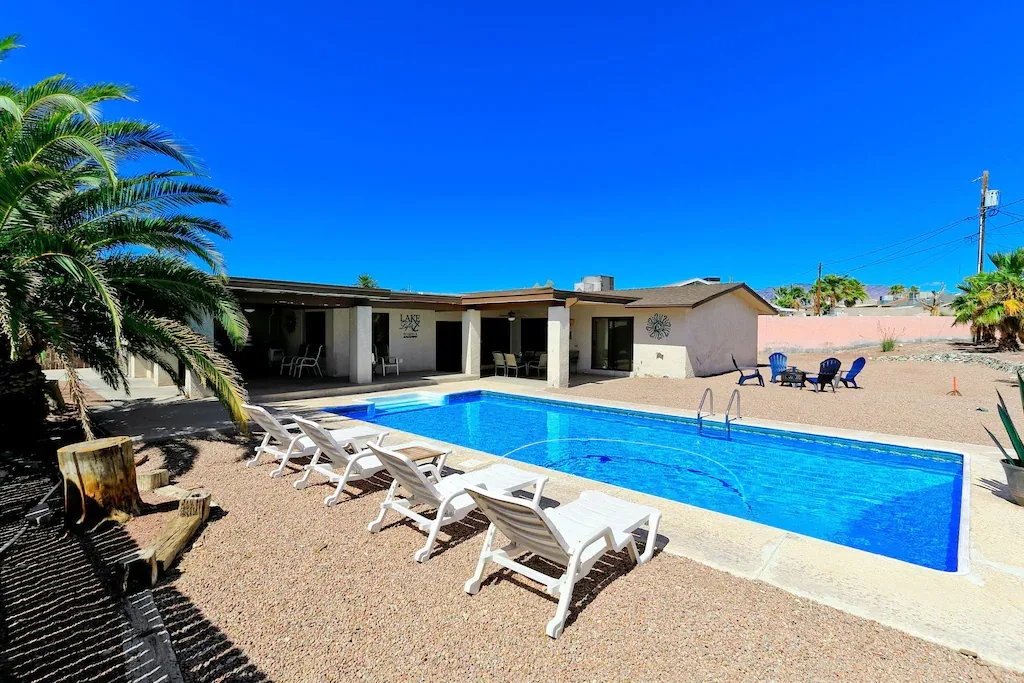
<point x="612" y="344"/>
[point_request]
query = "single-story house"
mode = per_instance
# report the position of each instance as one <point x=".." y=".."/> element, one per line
<point x="692" y="329"/>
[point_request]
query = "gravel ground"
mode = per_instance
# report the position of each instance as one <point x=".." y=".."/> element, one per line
<point x="905" y="398"/>
<point x="303" y="592"/>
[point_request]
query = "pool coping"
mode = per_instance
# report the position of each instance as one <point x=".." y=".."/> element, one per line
<point x="963" y="530"/>
<point x="975" y="609"/>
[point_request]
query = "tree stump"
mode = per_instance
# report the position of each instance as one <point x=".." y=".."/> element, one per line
<point x="99" y="481"/>
<point x="153" y="479"/>
<point x="195" y="504"/>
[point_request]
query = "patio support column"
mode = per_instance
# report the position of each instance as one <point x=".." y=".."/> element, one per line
<point x="194" y="386"/>
<point x="138" y="367"/>
<point x="471" y="342"/>
<point x="360" y="345"/>
<point x="160" y="376"/>
<point x="558" y="347"/>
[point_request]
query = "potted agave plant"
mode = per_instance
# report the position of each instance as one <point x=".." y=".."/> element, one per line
<point x="1013" y="465"/>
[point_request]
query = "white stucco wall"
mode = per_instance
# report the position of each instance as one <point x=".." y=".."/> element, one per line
<point x="418" y="350"/>
<point x="719" y="329"/>
<point x="665" y="357"/>
<point x="700" y="340"/>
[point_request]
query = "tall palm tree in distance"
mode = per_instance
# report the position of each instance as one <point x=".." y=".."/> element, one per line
<point x="365" y="280"/>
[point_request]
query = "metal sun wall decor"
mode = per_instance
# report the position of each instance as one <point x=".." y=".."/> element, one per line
<point x="410" y="325"/>
<point x="659" y="326"/>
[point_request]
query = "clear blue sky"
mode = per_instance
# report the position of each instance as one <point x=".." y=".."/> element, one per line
<point x="457" y="146"/>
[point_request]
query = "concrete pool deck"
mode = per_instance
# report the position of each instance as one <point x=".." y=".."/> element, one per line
<point x="979" y="609"/>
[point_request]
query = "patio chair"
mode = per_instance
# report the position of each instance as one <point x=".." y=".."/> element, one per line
<point x="513" y="363"/>
<point x="541" y="364"/>
<point x="286" y="441"/>
<point x="778" y="362"/>
<point x="848" y="377"/>
<point x="340" y="460"/>
<point x="499" y="363"/>
<point x="445" y="495"/>
<point x="748" y="373"/>
<point x="310" y="362"/>
<point x="385" y="363"/>
<point x="290" y="361"/>
<point x="574" y="536"/>
<point x="826" y="376"/>
<point x="574" y="359"/>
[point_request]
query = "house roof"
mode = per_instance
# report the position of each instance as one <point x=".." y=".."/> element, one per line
<point x="283" y="292"/>
<point x="691" y="296"/>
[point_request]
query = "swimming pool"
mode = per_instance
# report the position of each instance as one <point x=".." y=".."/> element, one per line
<point x="899" y="502"/>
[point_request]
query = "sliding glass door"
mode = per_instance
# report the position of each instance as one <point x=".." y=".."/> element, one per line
<point x="612" y="344"/>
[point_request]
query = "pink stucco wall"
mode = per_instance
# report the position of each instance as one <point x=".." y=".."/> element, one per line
<point x="776" y="333"/>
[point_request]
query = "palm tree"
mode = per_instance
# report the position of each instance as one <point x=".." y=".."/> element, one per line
<point x="830" y="290"/>
<point x="897" y="290"/>
<point x="365" y="280"/>
<point x="992" y="302"/>
<point x="853" y="291"/>
<point x="791" y="296"/>
<point x="913" y="291"/>
<point x="96" y="264"/>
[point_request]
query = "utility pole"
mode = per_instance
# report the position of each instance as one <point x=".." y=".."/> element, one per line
<point x="981" y="222"/>
<point x="817" y="293"/>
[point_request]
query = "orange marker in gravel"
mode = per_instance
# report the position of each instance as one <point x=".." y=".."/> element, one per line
<point x="954" y="392"/>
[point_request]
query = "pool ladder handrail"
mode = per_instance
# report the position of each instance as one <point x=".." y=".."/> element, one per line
<point x="739" y="410"/>
<point x="700" y="408"/>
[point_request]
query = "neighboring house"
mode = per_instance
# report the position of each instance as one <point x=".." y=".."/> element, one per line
<point x="683" y="330"/>
<point x="919" y="305"/>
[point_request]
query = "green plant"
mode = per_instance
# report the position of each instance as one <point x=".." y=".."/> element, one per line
<point x="1011" y="430"/>
<point x="835" y="288"/>
<point x="992" y="302"/>
<point x="791" y="296"/>
<point x="97" y="263"/>
<point x="367" y="281"/>
<point x="889" y="337"/>
<point x="896" y="290"/>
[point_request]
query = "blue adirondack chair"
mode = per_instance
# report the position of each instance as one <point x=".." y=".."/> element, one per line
<point x="827" y="372"/>
<point x="848" y="377"/>
<point x="777" y="361"/>
<point x="748" y="373"/>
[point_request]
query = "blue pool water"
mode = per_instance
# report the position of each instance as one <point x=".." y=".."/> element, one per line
<point x="898" y="502"/>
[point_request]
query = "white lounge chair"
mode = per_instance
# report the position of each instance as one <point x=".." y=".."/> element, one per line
<point x="540" y="365"/>
<point x="574" y="536"/>
<point x="424" y="485"/>
<point x="341" y="461"/>
<point x="285" y="441"/>
<point x="512" y="363"/>
<point x="499" y="363"/>
<point x="309" y="362"/>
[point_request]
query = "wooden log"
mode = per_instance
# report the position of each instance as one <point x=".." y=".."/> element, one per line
<point x="195" y="504"/>
<point x="153" y="479"/>
<point x="177" y="534"/>
<point x="138" y="570"/>
<point x="99" y="481"/>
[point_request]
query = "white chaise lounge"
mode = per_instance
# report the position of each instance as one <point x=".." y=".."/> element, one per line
<point x="424" y="485"/>
<point x="285" y="441"/>
<point x="345" y="460"/>
<point x="573" y="536"/>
